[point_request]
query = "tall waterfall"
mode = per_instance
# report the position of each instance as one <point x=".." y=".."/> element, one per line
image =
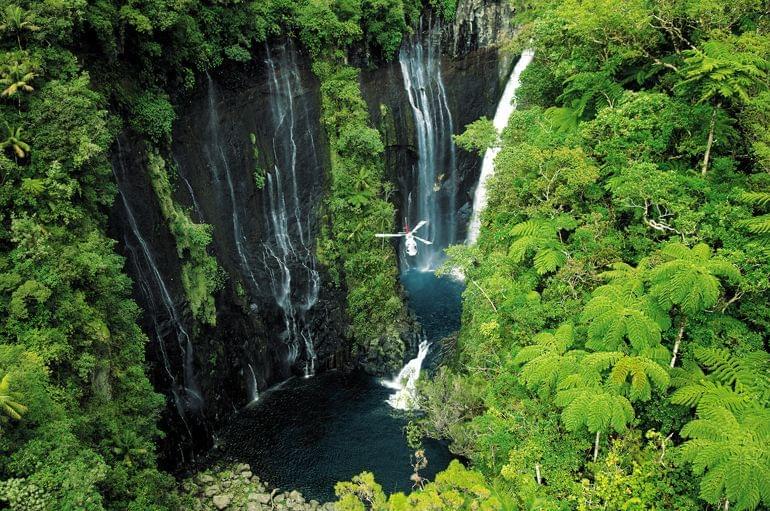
<point x="221" y="170"/>
<point x="505" y="108"/>
<point x="405" y="384"/>
<point x="187" y="394"/>
<point x="294" y="279"/>
<point x="433" y="197"/>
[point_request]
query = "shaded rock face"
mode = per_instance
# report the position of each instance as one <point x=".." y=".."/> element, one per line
<point x="473" y="80"/>
<point x="478" y="24"/>
<point x="248" y="158"/>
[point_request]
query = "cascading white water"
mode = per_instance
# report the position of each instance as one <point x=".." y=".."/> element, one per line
<point x="436" y="180"/>
<point x="253" y="386"/>
<point x="219" y="166"/>
<point x="193" y="398"/>
<point x="505" y="108"/>
<point x="288" y="245"/>
<point x="405" y="384"/>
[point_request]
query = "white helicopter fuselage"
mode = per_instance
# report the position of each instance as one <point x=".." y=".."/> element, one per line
<point x="410" y="240"/>
<point x="410" y="244"/>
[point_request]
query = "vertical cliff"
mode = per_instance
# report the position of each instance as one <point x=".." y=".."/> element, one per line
<point x="249" y="159"/>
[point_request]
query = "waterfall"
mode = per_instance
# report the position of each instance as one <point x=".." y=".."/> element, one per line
<point x="219" y="166"/>
<point x="436" y="180"/>
<point x="253" y="386"/>
<point x="288" y="257"/>
<point x="405" y="384"/>
<point x="505" y="108"/>
<point x="192" y="399"/>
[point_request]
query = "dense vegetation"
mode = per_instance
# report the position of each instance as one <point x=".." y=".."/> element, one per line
<point x="78" y="412"/>
<point x="614" y="348"/>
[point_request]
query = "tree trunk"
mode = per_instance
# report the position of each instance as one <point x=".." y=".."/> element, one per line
<point x="727" y="504"/>
<point x="710" y="141"/>
<point x="596" y="446"/>
<point x="677" y="343"/>
<point x="537" y="473"/>
<point x="485" y="294"/>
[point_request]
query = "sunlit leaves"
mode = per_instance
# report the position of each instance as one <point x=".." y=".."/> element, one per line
<point x="541" y="238"/>
<point x="617" y="314"/>
<point x="722" y="69"/>
<point x="689" y="277"/>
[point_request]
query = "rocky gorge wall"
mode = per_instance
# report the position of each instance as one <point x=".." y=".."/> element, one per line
<point x="249" y="158"/>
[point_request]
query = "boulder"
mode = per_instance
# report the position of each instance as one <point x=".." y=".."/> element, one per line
<point x="221" y="501"/>
<point x="205" y="479"/>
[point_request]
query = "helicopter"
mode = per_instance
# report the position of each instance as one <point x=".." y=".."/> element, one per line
<point x="410" y="242"/>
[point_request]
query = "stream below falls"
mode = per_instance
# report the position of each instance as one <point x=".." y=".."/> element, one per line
<point x="308" y="433"/>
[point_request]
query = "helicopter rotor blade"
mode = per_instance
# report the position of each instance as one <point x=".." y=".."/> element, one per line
<point x="424" y="241"/>
<point x="422" y="223"/>
<point x="399" y="235"/>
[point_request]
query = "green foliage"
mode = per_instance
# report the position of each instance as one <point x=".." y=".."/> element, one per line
<point x="689" y="277"/>
<point x="200" y="272"/>
<point x="153" y="116"/>
<point x="10" y="406"/>
<point x="259" y="173"/>
<point x="759" y="224"/>
<point x="723" y="69"/>
<point x="455" y="488"/>
<point x="728" y="441"/>
<point x="616" y="313"/>
<point x="635" y="476"/>
<point x="356" y="209"/>
<point x="614" y="263"/>
<point x="478" y="136"/>
<point x="541" y="237"/>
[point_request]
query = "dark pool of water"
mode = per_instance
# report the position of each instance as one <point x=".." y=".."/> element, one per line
<point x="437" y="302"/>
<point x="307" y="434"/>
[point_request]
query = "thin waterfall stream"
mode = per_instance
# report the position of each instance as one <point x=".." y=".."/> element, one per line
<point x="505" y="109"/>
<point x="289" y="242"/>
<point x="187" y="394"/>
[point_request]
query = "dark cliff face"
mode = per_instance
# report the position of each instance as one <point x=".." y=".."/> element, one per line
<point x="260" y="119"/>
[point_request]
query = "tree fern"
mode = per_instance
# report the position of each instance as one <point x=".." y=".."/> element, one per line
<point x="729" y="441"/>
<point x="637" y="376"/>
<point x="547" y="362"/>
<point x="9" y="401"/>
<point x="596" y="408"/>
<point x="759" y="224"/>
<point x="619" y="313"/>
<point x="732" y="452"/>
<point x="689" y="277"/>
<point x="747" y="374"/>
<point x="541" y="237"/>
<point x="626" y="275"/>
